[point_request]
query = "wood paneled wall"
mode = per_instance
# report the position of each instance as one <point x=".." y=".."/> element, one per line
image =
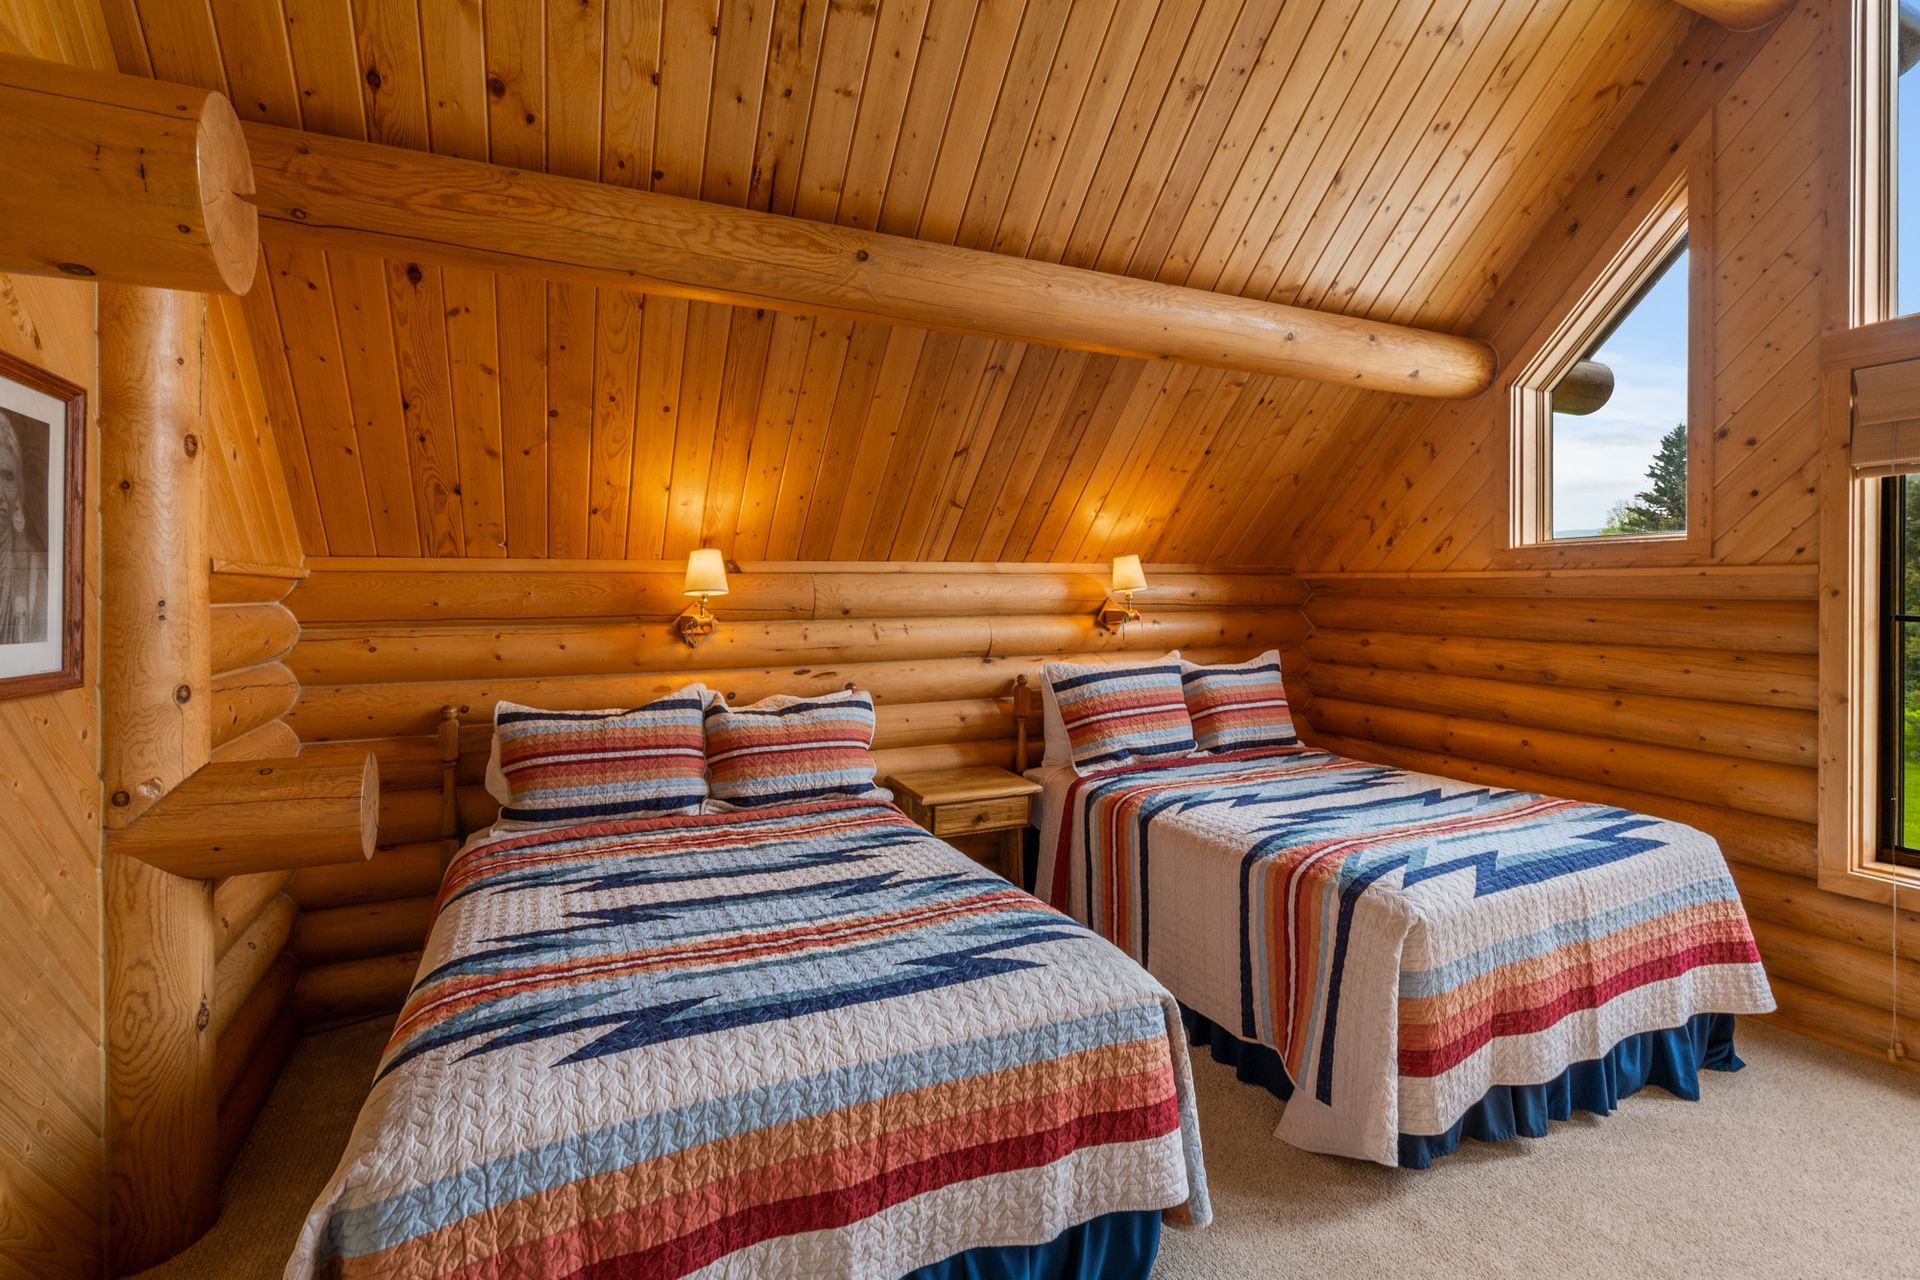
<point x="249" y="514"/>
<point x="51" y="1032"/>
<point x="52" y="1035"/>
<point x="1683" y="691"/>
<point x="386" y="644"/>
<point x="1432" y="493"/>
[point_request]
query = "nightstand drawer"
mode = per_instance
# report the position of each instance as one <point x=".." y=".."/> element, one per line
<point x="980" y="815"/>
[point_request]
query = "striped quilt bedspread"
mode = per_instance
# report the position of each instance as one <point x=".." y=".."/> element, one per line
<point x="1403" y="942"/>
<point x="805" y="1041"/>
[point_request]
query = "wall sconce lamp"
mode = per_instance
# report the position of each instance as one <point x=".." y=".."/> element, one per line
<point x="706" y="577"/>
<point x="1128" y="577"/>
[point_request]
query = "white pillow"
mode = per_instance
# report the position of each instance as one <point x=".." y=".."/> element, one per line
<point x="1055" y="727"/>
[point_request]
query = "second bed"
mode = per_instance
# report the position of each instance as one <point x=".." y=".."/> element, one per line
<point x="1408" y="960"/>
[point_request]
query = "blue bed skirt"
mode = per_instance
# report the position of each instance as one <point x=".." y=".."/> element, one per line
<point x="1672" y="1059"/>
<point x="1115" y="1246"/>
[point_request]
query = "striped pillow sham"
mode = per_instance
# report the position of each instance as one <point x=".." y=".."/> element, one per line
<point x="1239" y="706"/>
<point x="788" y="749"/>
<point x="558" y="767"/>
<point x="1059" y="751"/>
<point x="1114" y="715"/>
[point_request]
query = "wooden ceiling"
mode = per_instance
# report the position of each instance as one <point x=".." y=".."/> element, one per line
<point x="1377" y="157"/>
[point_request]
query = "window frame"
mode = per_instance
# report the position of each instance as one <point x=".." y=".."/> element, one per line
<point x="1851" y="857"/>
<point x="1677" y="206"/>
<point x="1872" y="89"/>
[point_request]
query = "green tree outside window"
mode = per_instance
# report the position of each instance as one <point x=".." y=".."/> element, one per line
<point x="1662" y="506"/>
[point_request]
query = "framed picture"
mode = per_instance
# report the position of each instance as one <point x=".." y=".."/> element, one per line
<point x="42" y="501"/>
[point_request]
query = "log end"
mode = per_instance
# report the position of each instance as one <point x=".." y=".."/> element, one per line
<point x="226" y="179"/>
<point x="1740" y="15"/>
<point x="1585" y="389"/>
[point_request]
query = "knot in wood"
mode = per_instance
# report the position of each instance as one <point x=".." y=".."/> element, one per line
<point x="204" y="1017"/>
<point x="191" y="444"/>
<point x="121" y="799"/>
<point x="183" y="694"/>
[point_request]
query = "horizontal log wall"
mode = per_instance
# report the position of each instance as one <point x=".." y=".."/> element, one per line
<point x="384" y="645"/>
<point x="253" y="1024"/>
<point x="1674" y="693"/>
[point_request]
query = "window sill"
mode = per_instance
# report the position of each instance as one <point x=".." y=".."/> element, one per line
<point x="1874" y="880"/>
<point x="1616" y="552"/>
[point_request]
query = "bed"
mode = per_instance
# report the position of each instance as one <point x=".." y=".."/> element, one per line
<point x="1408" y="960"/>
<point x="801" y="1040"/>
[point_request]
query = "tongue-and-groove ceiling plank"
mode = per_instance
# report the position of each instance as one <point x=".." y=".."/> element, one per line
<point x="1375" y="157"/>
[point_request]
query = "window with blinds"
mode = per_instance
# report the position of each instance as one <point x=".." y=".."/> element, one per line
<point x="1886" y="419"/>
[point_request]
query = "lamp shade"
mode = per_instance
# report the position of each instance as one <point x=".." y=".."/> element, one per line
<point x="706" y="573"/>
<point x="1127" y="574"/>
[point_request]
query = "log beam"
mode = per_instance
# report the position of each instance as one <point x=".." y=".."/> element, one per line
<point x="269" y="1001"/>
<point x="1739" y="15"/>
<point x="249" y="582"/>
<point x="245" y="965"/>
<point x="123" y="179"/>
<point x="1586" y="389"/>
<point x="403" y="871"/>
<point x="274" y="740"/>
<point x="238" y="902"/>
<point x="338" y="934"/>
<point x="379" y="654"/>
<point x="342" y="194"/>
<point x="330" y="994"/>
<point x="342" y="713"/>
<point x="245" y="634"/>
<point x="240" y="1108"/>
<point x="244" y="816"/>
<point x="361" y="591"/>
<point x="157" y="669"/>
<point x="249" y="699"/>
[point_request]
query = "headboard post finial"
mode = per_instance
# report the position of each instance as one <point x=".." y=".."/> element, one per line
<point x="449" y="736"/>
<point x="1022" y="711"/>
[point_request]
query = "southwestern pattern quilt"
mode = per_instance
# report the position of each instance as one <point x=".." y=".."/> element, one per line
<point x="1404" y="942"/>
<point x="799" y="1041"/>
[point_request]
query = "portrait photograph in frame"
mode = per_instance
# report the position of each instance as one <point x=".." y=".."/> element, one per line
<point x="42" y="501"/>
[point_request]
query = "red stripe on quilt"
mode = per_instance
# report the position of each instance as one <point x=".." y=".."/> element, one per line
<point x="850" y="1204"/>
<point x="1520" y="1022"/>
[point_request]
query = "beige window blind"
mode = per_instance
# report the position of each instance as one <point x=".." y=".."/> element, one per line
<point x="1886" y="419"/>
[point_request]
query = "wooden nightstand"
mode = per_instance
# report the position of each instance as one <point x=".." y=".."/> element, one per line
<point x="983" y="808"/>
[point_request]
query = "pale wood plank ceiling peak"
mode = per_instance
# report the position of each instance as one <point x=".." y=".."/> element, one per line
<point x="1372" y="157"/>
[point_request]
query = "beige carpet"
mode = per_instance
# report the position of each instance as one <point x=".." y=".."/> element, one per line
<point x="1807" y="1163"/>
